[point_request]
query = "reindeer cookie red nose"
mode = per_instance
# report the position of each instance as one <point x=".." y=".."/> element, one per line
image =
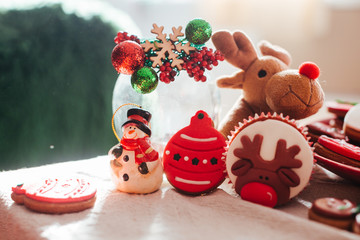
<point x="259" y="193"/>
<point x="309" y="69"/>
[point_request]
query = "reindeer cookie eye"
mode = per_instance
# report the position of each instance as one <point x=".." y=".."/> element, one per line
<point x="262" y="73"/>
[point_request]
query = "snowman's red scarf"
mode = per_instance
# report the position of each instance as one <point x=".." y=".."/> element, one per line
<point x="142" y="148"/>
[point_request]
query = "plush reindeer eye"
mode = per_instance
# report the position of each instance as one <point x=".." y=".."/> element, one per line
<point x="262" y="73"/>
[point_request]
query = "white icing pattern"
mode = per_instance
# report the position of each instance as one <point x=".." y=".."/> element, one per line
<point x="184" y="136"/>
<point x="179" y="179"/>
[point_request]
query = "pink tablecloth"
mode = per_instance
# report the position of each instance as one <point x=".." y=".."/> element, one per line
<point x="166" y="214"/>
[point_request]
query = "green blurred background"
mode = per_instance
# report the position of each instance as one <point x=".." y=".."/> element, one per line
<point x="56" y="82"/>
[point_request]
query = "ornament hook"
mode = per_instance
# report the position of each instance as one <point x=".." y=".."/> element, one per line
<point x="113" y="117"/>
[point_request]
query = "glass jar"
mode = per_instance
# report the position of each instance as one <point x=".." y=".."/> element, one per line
<point x="171" y="105"/>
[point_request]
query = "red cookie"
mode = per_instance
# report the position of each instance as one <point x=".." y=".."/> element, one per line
<point x="192" y="157"/>
<point x="338" y="150"/>
<point x="334" y="212"/>
<point x="329" y="127"/>
<point x="56" y="195"/>
<point x="339" y="108"/>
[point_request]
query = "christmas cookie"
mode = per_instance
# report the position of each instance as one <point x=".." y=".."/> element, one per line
<point x="334" y="212"/>
<point x="56" y="195"/>
<point x="135" y="164"/>
<point x="356" y="224"/>
<point x="329" y="127"/>
<point x="338" y="150"/>
<point x="352" y="125"/>
<point x="269" y="160"/>
<point x="339" y="108"/>
<point x="192" y="158"/>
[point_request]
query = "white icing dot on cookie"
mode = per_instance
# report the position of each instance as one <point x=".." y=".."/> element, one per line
<point x="205" y="161"/>
<point x="167" y="152"/>
<point x="186" y="158"/>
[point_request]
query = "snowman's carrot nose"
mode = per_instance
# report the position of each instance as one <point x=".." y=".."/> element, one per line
<point x="131" y="131"/>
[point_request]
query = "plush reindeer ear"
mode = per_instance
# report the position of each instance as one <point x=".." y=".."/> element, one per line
<point x="288" y="177"/>
<point x="241" y="167"/>
<point x="267" y="48"/>
<point x="237" y="48"/>
<point x="236" y="81"/>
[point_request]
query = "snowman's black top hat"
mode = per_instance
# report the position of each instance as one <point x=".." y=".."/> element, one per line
<point x="140" y="118"/>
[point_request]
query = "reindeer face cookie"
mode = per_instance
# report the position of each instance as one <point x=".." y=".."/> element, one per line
<point x="269" y="160"/>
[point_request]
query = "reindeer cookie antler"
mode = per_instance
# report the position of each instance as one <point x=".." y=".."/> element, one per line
<point x="267" y="83"/>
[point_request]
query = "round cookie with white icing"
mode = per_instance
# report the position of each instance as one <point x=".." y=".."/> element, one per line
<point x="351" y="125"/>
<point x="269" y="160"/>
<point x="55" y="195"/>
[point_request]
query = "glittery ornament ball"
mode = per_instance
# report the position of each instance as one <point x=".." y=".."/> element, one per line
<point x="198" y="31"/>
<point x="127" y="56"/>
<point x="144" y="80"/>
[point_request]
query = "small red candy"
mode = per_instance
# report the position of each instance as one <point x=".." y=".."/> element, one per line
<point x="127" y="56"/>
<point x="309" y="69"/>
<point x="259" y="193"/>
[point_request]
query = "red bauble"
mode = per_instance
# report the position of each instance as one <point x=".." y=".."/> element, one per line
<point x="127" y="56"/>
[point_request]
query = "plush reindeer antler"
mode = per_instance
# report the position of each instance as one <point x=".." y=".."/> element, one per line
<point x="269" y="49"/>
<point x="237" y="48"/>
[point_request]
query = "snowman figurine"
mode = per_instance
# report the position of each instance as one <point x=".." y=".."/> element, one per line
<point x="135" y="165"/>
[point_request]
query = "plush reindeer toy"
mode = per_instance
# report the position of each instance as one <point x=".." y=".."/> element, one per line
<point x="267" y="83"/>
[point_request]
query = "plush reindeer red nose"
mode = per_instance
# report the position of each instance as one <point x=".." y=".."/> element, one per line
<point x="309" y="69"/>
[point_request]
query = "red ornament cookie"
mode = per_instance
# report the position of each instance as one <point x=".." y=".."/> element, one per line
<point x="192" y="157"/>
<point x="331" y="211"/>
<point x="269" y="160"/>
<point x="56" y="195"/>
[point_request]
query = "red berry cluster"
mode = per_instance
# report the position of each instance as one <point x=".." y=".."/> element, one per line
<point x="196" y="64"/>
<point x="123" y="36"/>
<point x="167" y="73"/>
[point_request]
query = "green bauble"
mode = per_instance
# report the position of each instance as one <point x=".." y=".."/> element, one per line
<point x="144" y="80"/>
<point x="198" y="31"/>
